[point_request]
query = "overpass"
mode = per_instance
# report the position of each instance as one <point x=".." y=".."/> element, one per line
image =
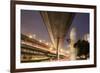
<point x="33" y="50"/>
<point x="57" y="24"/>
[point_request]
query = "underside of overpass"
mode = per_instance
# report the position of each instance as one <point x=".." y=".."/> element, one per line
<point x="58" y="24"/>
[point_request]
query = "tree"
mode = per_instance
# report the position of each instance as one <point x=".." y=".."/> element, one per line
<point x="82" y="47"/>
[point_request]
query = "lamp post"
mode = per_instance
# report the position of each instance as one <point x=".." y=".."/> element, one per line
<point x="30" y="36"/>
<point x="57" y="48"/>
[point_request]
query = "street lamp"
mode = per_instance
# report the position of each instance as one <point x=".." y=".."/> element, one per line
<point x="30" y="36"/>
<point x="47" y="43"/>
<point x="34" y="36"/>
<point x="40" y="40"/>
<point x="51" y="48"/>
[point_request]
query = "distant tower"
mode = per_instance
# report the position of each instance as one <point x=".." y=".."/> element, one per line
<point x="73" y="39"/>
<point x="86" y="37"/>
<point x="73" y="35"/>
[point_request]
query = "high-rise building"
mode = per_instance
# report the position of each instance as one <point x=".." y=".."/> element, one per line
<point x="86" y="37"/>
<point x="73" y="38"/>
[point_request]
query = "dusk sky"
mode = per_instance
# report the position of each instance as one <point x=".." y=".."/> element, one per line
<point x="32" y="23"/>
